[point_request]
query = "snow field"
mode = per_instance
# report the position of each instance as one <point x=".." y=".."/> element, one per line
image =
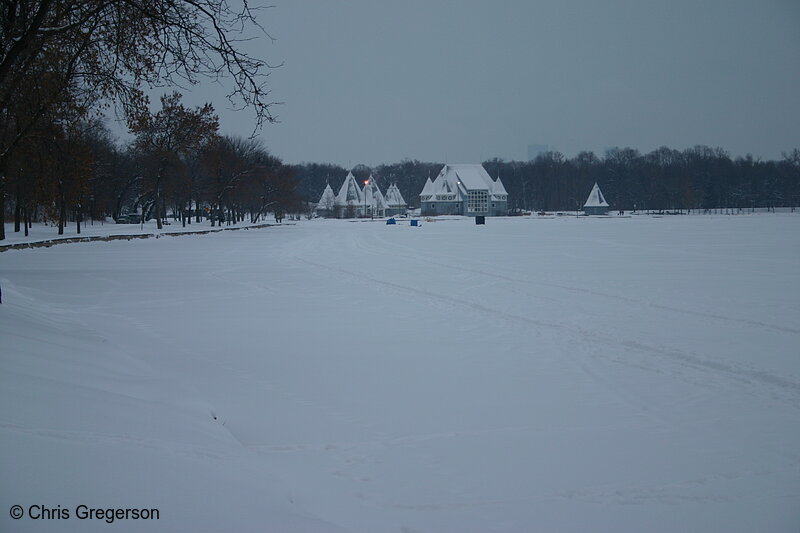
<point x="565" y="374"/>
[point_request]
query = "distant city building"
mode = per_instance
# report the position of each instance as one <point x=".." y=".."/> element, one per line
<point x="596" y="204"/>
<point x="536" y="149"/>
<point x="463" y="190"/>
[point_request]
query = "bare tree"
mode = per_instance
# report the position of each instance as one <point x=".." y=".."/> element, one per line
<point x="165" y="139"/>
<point x="111" y="49"/>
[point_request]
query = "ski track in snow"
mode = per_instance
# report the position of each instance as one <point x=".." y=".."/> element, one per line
<point x="741" y="375"/>
<point x="691" y="367"/>
<point x="453" y="265"/>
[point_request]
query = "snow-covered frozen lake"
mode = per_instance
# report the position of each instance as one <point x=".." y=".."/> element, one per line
<point x="564" y="374"/>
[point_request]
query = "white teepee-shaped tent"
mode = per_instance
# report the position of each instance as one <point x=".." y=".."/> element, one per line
<point x="596" y="204"/>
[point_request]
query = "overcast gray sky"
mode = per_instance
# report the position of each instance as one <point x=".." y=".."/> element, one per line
<point x="369" y="81"/>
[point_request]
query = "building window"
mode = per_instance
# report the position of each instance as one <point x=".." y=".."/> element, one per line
<point x="478" y="201"/>
<point x="493" y="206"/>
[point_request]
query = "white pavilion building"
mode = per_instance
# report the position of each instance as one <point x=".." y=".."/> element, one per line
<point x="354" y="201"/>
<point x="350" y="199"/>
<point x="395" y="204"/>
<point x="596" y="204"/>
<point x="464" y="190"/>
<point x="374" y="200"/>
<point x="326" y="207"/>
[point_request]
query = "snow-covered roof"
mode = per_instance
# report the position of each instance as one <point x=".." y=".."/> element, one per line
<point x="444" y="186"/>
<point x="393" y="197"/>
<point x="328" y="199"/>
<point x="375" y="198"/>
<point x="350" y="193"/>
<point x="472" y="177"/>
<point x="595" y="198"/>
<point x="427" y="190"/>
<point x="454" y="181"/>
<point x="497" y="187"/>
<point x="447" y="186"/>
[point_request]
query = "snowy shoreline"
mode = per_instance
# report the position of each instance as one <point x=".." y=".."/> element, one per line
<point x="33" y="242"/>
<point x="41" y="235"/>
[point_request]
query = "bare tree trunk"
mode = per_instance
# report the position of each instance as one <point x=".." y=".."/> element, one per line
<point x="27" y="219"/>
<point x="78" y="219"/>
<point x="17" y="207"/>
<point x="158" y="207"/>
<point x="62" y="208"/>
<point x="2" y="203"/>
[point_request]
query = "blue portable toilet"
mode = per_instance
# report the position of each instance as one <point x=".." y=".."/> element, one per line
<point x="391" y="221"/>
<point x="415" y="222"/>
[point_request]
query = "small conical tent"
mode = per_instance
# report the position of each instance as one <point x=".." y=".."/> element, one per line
<point x="596" y="204"/>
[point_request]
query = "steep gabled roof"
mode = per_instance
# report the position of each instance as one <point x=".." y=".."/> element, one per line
<point x="454" y="181"/>
<point x="328" y="199"/>
<point x="375" y="198"/>
<point x="350" y="193"/>
<point x="595" y="198"/>
<point x="461" y="178"/>
<point x="472" y="177"/>
<point x="443" y="186"/>
<point x="427" y="190"/>
<point x="393" y="197"/>
<point x="497" y="187"/>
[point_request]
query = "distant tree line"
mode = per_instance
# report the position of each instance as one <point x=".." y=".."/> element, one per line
<point x="698" y="178"/>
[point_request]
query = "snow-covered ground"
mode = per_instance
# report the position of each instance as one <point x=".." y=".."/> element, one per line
<point x="532" y="374"/>
<point x="47" y="232"/>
